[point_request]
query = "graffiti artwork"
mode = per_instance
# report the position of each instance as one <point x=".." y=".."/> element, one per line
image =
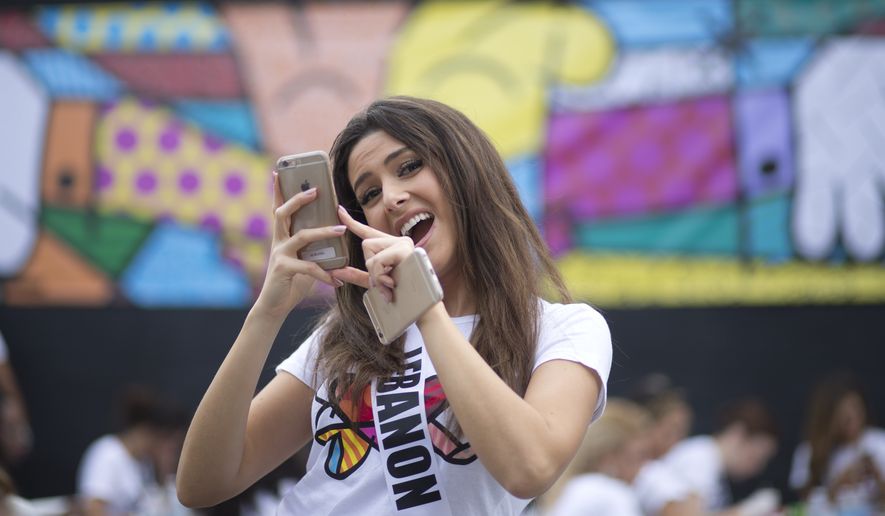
<point x="673" y="153"/>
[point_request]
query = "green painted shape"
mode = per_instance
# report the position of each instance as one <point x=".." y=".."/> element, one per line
<point x="706" y="230"/>
<point x="806" y="17"/>
<point x="769" y="220"/>
<point x="107" y="241"/>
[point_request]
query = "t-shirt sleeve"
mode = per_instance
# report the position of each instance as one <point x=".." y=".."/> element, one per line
<point x="578" y="333"/>
<point x="302" y="362"/>
<point x="98" y="473"/>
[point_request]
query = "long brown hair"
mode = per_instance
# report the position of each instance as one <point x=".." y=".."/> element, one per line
<point x="823" y="435"/>
<point x="499" y="252"/>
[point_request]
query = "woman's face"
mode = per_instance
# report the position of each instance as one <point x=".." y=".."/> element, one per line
<point x="401" y="195"/>
<point x="671" y="428"/>
<point x="850" y="417"/>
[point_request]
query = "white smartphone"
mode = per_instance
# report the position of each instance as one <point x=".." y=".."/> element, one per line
<point x="299" y="172"/>
<point x="417" y="289"/>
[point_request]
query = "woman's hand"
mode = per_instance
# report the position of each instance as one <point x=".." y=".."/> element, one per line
<point x="289" y="279"/>
<point x="382" y="252"/>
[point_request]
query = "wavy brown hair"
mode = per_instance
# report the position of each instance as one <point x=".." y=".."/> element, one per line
<point x="499" y="252"/>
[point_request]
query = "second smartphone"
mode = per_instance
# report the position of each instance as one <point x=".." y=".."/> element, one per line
<point x="417" y="290"/>
<point x="300" y="172"/>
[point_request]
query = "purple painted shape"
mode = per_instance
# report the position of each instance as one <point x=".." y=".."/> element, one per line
<point x="104" y="178"/>
<point x="234" y="184"/>
<point x="189" y="181"/>
<point x="765" y="153"/>
<point x="211" y="222"/>
<point x="126" y="139"/>
<point x="145" y="181"/>
<point x="256" y="227"/>
<point x="635" y="161"/>
<point x="170" y="139"/>
<point x="212" y="143"/>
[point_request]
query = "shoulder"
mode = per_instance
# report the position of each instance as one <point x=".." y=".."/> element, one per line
<point x="577" y="326"/>
<point x="874" y="440"/>
<point x="303" y="361"/>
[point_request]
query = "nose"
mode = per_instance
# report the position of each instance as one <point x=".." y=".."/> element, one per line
<point x="394" y="198"/>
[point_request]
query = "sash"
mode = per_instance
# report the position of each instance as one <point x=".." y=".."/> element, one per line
<point x="410" y="465"/>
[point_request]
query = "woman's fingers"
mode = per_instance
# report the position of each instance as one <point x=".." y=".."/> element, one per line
<point x="351" y="275"/>
<point x="295" y="266"/>
<point x="307" y="236"/>
<point x="358" y="228"/>
<point x="283" y="213"/>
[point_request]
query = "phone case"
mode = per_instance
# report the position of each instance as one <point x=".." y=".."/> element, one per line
<point x="417" y="289"/>
<point x="299" y="172"/>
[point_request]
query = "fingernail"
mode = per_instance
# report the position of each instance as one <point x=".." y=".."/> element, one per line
<point x="339" y="229"/>
<point x="338" y="282"/>
<point x="341" y="209"/>
<point x="311" y="191"/>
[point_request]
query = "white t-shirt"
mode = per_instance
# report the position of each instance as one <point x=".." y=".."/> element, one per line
<point x="109" y="473"/>
<point x="596" y="494"/>
<point x="657" y="484"/>
<point x="344" y="472"/>
<point x="871" y="443"/>
<point x="697" y="462"/>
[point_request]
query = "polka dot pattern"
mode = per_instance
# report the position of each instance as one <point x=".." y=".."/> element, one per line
<point x="153" y="166"/>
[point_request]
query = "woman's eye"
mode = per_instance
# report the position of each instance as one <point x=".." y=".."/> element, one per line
<point x="410" y="167"/>
<point x="368" y="195"/>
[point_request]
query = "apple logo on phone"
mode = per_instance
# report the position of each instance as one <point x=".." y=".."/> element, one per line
<point x="305" y="186"/>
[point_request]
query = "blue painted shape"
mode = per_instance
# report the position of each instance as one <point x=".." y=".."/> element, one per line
<point x="645" y="23"/>
<point x="769" y="228"/>
<point x="180" y="266"/>
<point x="232" y="120"/>
<point x="526" y="174"/>
<point x="68" y="74"/>
<point x="699" y="231"/>
<point x="772" y="61"/>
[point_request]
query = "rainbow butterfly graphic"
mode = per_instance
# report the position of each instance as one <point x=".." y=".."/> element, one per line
<point x="350" y="435"/>
<point x="348" y="443"/>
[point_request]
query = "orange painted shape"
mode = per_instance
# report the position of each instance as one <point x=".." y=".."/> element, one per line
<point x="308" y="71"/>
<point x="68" y="166"/>
<point x="56" y="275"/>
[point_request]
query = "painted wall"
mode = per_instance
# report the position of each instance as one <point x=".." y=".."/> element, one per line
<point x="674" y="152"/>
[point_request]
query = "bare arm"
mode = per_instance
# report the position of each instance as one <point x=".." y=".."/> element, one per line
<point x="525" y="443"/>
<point x="234" y="440"/>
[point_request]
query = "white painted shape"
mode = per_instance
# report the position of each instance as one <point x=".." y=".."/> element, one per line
<point x="647" y="76"/>
<point x="840" y="108"/>
<point x="23" y="112"/>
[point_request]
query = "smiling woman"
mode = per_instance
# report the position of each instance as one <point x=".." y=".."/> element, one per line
<point x="494" y="371"/>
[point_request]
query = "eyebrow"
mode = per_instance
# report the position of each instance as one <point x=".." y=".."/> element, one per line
<point x="390" y="157"/>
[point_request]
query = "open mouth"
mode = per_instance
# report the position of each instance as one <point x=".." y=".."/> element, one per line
<point x="418" y="227"/>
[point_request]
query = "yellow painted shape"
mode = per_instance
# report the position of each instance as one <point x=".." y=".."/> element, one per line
<point x="494" y="61"/>
<point x="613" y="280"/>
<point x="168" y="199"/>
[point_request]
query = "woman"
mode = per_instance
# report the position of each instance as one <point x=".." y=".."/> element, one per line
<point x="599" y="479"/>
<point x="842" y="464"/>
<point x="504" y="376"/>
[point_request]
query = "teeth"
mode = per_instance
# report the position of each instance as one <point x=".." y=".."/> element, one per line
<point x="407" y="227"/>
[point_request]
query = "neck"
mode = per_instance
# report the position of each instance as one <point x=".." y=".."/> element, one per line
<point x="458" y="299"/>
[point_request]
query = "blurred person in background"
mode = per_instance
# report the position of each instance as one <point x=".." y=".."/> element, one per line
<point x="658" y="488"/>
<point x="117" y="473"/>
<point x="15" y="437"/>
<point x="597" y="482"/>
<point x="841" y="465"/>
<point x="744" y="441"/>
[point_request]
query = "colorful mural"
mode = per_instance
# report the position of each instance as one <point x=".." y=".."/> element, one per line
<point x="674" y="153"/>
